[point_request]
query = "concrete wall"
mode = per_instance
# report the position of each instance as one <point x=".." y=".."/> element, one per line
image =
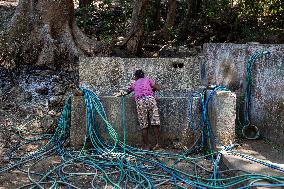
<point x="225" y="65"/>
<point x="221" y="64"/>
<point x="107" y="75"/>
<point x="173" y="113"/>
<point x="177" y="77"/>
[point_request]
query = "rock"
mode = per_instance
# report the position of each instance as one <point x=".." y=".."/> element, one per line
<point x="47" y="121"/>
<point x="18" y="94"/>
<point x="4" y="134"/>
<point x="55" y="78"/>
<point x="25" y="96"/>
<point x="58" y="89"/>
<point x="55" y="101"/>
<point x="42" y="90"/>
<point x="28" y="96"/>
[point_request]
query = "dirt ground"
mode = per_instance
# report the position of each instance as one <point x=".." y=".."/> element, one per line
<point x="19" y="177"/>
<point x="265" y="148"/>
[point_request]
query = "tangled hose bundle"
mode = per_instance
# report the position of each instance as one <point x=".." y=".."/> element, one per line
<point x="113" y="163"/>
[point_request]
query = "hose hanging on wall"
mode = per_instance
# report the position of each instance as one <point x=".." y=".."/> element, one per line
<point x="250" y="131"/>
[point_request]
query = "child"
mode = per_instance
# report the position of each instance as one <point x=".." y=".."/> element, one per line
<point x="146" y="104"/>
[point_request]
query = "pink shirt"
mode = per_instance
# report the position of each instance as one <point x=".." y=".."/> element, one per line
<point x="142" y="87"/>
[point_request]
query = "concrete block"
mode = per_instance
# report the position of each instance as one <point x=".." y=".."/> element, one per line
<point x="192" y="134"/>
<point x="222" y="115"/>
<point x="78" y="122"/>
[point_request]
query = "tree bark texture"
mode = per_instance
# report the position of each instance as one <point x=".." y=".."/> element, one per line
<point x="193" y="8"/>
<point x="84" y="3"/>
<point x="171" y="16"/>
<point x="44" y="33"/>
<point x="136" y="32"/>
<point x="157" y="16"/>
<point x="164" y="32"/>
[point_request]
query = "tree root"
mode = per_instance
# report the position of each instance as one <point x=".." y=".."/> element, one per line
<point x="46" y="55"/>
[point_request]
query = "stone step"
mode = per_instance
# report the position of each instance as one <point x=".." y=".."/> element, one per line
<point x="266" y="154"/>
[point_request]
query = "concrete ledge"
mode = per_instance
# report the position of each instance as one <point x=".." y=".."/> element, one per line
<point x="107" y="75"/>
<point x="237" y="162"/>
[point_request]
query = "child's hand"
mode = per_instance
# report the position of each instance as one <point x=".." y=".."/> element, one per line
<point x="117" y="94"/>
<point x="120" y="93"/>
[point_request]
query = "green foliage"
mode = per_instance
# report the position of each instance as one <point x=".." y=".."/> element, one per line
<point x="104" y="20"/>
<point x="85" y="18"/>
<point x="243" y="21"/>
<point x="108" y="2"/>
<point x="173" y="33"/>
<point x="237" y="21"/>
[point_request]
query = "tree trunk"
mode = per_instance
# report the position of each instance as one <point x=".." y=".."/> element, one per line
<point x="44" y="33"/>
<point x="157" y="16"/>
<point x="136" y="32"/>
<point x="171" y="15"/>
<point x="193" y="8"/>
<point x="164" y="32"/>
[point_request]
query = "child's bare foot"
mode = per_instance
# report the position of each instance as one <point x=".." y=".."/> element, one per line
<point x="157" y="147"/>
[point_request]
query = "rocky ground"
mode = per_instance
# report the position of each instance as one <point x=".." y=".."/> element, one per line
<point x="29" y="96"/>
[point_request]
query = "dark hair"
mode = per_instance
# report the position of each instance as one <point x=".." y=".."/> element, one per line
<point x="139" y="74"/>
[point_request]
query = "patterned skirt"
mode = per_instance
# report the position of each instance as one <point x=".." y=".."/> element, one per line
<point x="147" y="111"/>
